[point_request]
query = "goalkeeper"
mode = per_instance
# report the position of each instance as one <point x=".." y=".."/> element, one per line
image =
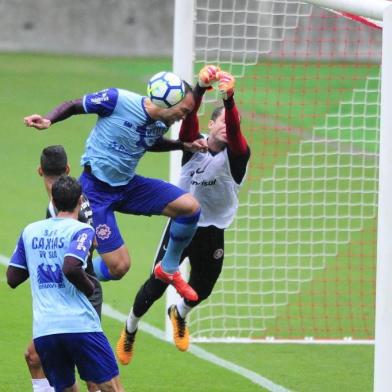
<point x="214" y="178"/>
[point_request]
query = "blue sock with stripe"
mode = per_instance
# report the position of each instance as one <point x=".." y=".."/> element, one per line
<point x="182" y="230"/>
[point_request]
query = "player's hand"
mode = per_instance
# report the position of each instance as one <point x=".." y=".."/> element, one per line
<point x="226" y="84"/>
<point x="208" y="75"/>
<point x="199" y="145"/>
<point x="37" y="121"/>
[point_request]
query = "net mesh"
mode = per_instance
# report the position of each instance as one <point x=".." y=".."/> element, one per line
<point x="300" y="255"/>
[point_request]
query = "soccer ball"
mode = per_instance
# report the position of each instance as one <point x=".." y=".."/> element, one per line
<point x="165" y="89"/>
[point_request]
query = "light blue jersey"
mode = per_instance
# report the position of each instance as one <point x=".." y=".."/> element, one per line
<point x="58" y="306"/>
<point x="121" y="135"/>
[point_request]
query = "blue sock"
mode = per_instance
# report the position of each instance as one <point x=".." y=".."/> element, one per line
<point x="101" y="270"/>
<point x="182" y="230"/>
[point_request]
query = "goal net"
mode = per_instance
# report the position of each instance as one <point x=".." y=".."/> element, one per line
<point x="300" y="257"/>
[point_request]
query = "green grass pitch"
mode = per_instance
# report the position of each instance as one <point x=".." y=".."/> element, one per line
<point x="34" y="84"/>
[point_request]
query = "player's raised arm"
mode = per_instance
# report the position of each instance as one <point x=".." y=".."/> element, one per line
<point x="59" y="113"/>
<point x="236" y="141"/>
<point x="190" y="125"/>
<point x="37" y="121"/>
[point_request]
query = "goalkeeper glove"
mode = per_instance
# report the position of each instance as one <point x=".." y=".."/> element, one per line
<point x="208" y="76"/>
<point x="226" y="84"/>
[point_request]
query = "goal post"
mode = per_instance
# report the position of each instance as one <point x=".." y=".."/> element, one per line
<point x="313" y="82"/>
<point x="383" y="332"/>
<point x="183" y="55"/>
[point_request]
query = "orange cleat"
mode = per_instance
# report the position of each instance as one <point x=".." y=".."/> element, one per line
<point x="177" y="282"/>
<point x="180" y="329"/>
<point x="124" y="347"/>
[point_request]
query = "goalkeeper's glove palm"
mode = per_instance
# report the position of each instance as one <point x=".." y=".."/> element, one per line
<point x="226" y="85"/>
<point x="208" y="76"/>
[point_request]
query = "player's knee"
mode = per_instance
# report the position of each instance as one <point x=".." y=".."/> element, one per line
<point x="192" y="205"/>
<point x="119" y="269"/>
<point x="32" y="358"/>
<point x="92" y="387"/>
<point x="113" y="385"/>
<point x="185" y="205"/>
<point x="118" y="263"/>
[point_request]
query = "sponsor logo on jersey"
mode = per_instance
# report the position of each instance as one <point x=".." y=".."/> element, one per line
<point x="218" y="254"/>
<point x="197" y="171"/>
<point x="47" y="243"/>
<point x="146" y="142"/>
<point x="203" y="183"/>
<point x="50" y="276"/>
<point x="103" y="232"/>
<point x="119" y="147"/>
<point x="154" y="130"/>
<point x="81" y="240"/>
<point x="103" y="97"/>
<point x="128" y="124"/>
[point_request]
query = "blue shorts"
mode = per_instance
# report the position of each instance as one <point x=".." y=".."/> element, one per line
<point x="90" y="352"/>
<point x="141" y="196"/>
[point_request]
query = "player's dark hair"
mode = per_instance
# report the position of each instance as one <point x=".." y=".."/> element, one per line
<point x="216" y="113"/>
<point x="53" y="160"/>
<point x="66" y="192"/>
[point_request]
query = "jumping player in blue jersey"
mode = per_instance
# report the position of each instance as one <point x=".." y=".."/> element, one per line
<point x="215" y="179"/>
<point x="128" y="124"/>
<point x="66" y="328"/>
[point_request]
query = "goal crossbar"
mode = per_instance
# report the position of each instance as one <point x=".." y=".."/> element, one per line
<point x="373" y="9"/>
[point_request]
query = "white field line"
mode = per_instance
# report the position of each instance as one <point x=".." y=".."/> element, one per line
<point x="108" y="311"/>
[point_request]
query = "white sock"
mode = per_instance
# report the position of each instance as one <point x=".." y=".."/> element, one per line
<point x="41" y="385"/>
<point x="132" y="322"/>
<point x="183" y="309"/>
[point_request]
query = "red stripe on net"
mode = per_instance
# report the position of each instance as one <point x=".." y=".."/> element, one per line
<point x="361" y="19"/>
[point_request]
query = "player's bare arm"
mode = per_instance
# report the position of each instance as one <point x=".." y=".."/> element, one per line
<point x="59" y="113"/>
<point x="198" y="145"/>
<point x="163" y="145"/>
<point x="75" y="273"/>
<point x="16" y="276"/>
